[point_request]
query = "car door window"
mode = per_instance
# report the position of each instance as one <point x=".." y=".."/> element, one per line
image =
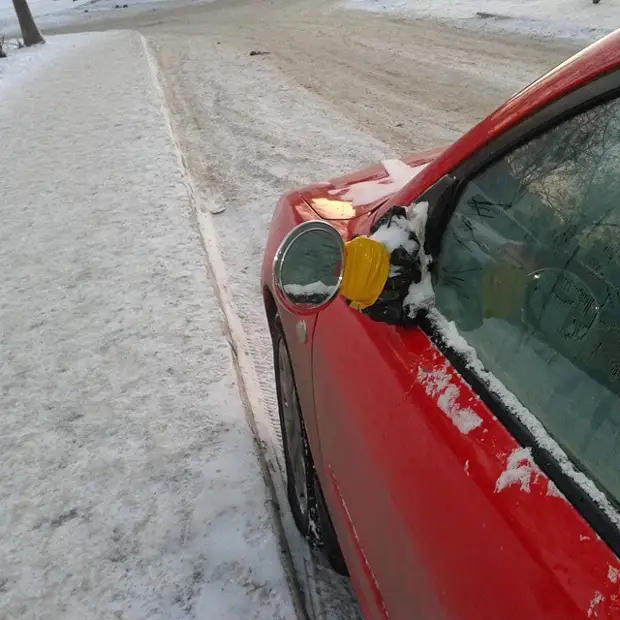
<point x="529" y="271"/>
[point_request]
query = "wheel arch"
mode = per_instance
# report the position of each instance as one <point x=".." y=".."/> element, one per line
<point x="301" y="361"/>
<point x="271" y="308"/>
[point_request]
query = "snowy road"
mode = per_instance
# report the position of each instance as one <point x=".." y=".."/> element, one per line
<point x="408" y="83"/>
<point x="131" y="486"/>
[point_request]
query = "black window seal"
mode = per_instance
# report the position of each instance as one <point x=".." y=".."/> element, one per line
<point x="588" y="96"/>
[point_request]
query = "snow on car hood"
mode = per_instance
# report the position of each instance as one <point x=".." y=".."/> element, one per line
<point x="367" y="192"/>
<point x="355" y="194"/>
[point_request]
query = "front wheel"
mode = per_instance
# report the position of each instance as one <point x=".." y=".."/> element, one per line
<point x="299" y="467"/>
<point x="303" y="487"/>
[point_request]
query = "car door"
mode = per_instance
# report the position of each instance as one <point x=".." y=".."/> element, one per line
<point x="471" y="464"/>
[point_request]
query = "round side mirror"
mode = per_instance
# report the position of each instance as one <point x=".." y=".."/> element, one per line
<point x="309" y="266"/>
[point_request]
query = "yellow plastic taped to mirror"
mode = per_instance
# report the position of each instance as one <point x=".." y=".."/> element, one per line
<point x="366" y="270"/>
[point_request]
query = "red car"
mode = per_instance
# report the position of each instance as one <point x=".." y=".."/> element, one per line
<point x="464" y="464"/>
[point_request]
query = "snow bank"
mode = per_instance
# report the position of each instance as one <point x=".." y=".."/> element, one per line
<point x="129" y="478"/>
<point x="575" y="19"/>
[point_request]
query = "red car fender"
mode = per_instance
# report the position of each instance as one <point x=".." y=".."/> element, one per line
<point x="291" y="211"/>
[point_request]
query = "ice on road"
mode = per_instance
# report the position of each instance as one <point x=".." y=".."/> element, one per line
<point x="130" y="485"/>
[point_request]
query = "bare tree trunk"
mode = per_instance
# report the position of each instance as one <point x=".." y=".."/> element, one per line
<point x="30" y="32"/>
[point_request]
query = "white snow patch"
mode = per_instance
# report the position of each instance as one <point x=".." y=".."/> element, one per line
<point x="597" y="599"/>
<point x="421" y="295"/>
<point x="398" y="232"/>
<point x="437" y="384"/>
<point x="613" y="574"/>
<point x="583" y="538"/>
<point x="24" y="65"/>
<point x="417" y="214"/>
<point x="365" y="192"/>
<point x="520" y="469"/>
<point x="396" y="235"/>
<point x="454" y="340"/>
<point x="575" y="19"/>
<point x="314" y="288"/>
<point x="467" y="467"/>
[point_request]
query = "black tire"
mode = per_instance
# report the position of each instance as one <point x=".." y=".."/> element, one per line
<point x="303" y="487"/>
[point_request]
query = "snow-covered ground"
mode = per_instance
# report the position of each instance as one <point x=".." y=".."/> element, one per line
<point x="51" y="13"/>
<point x="130" y="485"/>
<point x="23" y="64"/>
<point x="576" y="19"/>
<point x="39" y="9"/>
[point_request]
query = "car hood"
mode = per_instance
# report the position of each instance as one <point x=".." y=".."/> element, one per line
<point x="354" y="195"/>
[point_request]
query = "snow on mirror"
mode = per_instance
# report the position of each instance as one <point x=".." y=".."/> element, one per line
<point x="309" y="265"/>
